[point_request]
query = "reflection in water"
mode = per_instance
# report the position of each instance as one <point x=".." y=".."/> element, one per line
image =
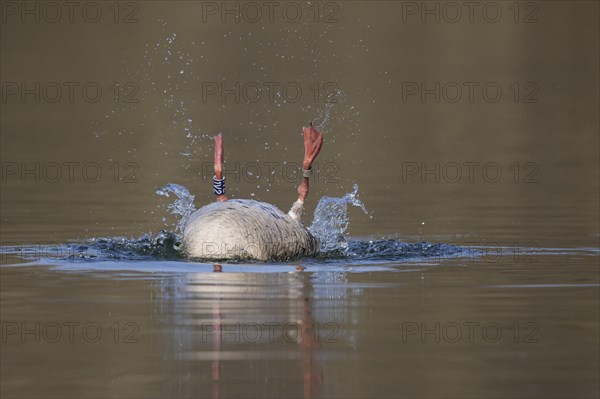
<point x="216" y="364"/>
<point x="293" y="334"/>
<point x="256" y="320"/>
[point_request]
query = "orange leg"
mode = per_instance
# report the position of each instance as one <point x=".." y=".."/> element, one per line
<point x="313" y="141"/>
<point x="219" y="180"/>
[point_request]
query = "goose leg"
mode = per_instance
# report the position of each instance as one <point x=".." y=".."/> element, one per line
<point x="313" y="141"/>
<point x="218" y="179"/>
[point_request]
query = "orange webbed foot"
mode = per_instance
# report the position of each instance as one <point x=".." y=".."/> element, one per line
<point x="313" y="141"/>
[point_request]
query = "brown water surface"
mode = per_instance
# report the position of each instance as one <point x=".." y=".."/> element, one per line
<point x="511" y="177"/>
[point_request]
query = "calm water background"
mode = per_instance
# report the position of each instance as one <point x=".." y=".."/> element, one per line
<point x="537" y="224"/>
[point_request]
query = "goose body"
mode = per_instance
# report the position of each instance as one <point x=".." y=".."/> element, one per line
<point x="248" y="229"/>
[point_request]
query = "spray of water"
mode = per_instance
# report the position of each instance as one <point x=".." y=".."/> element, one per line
<point x="331" y="220"/>
<point x="330" y="114"/>
<point x="182" y="207"/>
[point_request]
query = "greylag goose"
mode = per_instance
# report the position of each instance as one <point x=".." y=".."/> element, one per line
<point x="249" y="229"/>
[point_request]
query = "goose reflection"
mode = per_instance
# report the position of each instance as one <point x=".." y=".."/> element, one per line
<point x="260" y="329"/>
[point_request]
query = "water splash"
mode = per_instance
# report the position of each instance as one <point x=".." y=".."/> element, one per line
<point x="182" y="207"/>
<point x="164" y="245"/>
<point x="329" y="225"/>
<point x="331" y="220"/>
<point x="327" y="116"/>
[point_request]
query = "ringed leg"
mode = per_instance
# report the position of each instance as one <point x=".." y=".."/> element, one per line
<point x="313" y="141"/>
<point x="219" y="180"/>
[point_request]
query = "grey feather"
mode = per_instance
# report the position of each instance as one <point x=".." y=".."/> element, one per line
<point x="246" y="229"/>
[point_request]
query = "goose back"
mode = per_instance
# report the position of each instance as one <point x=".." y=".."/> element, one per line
<point x="246" y="229"/>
